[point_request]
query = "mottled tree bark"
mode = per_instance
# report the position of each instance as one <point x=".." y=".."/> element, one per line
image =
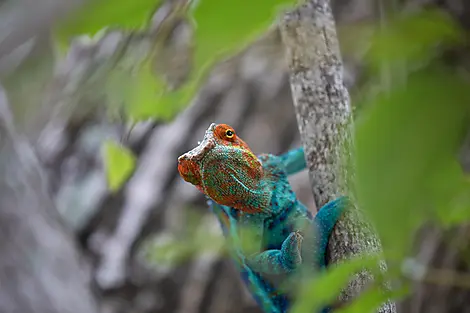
<point x="324" y="116"/>
<point x="320" y="98"/>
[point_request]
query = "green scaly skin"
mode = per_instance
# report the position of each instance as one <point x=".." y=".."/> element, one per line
<point x="254" y="202"/>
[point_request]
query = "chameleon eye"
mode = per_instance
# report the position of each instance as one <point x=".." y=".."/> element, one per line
<point x="229" y="133"/>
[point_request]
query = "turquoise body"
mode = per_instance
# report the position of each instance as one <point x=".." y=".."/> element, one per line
<point x="286" y="214"/>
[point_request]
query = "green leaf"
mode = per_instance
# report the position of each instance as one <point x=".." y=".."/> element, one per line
<point x="119" y="162"/>
<point x="165" y="106"/>
<point x="449" y="191"/>
<point x="223" y="27"/>
<point x="144" y="95"/>
<point x="403" y="140"/>
<point x="145" y="90"/>
<point x="324" y="289"/>
<point x="95" y="15"/>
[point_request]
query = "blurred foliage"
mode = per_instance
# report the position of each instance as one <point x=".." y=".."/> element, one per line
<point x="218" y="33"/>
<point x="119" y="163"/>
<point x="406" y="152"/>
<point x="225" y="27"/>
<point x="195" y="240"/>
<point x="142" y="95"/>
<point x="221" y="29"/>
<point x="96" y="15"/>
<point x="406" y="137"/>
<point x="412" y="39"/>
<point x="318" y="290"/>
<point x="334" y="280"/>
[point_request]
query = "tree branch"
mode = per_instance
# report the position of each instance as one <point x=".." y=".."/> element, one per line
<point x="321" y="101"/>
<point x="324" y="116"/>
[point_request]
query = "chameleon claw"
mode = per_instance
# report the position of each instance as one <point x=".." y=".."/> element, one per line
<point x="298" y="234"/>
<point x="292" y="249"/>
<point x="299" y="238"/>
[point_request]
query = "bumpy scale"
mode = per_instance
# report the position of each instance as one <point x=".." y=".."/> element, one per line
<point x="254" y="202"/>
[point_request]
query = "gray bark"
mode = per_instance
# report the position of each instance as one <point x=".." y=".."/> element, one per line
<point x="324" y="115"/>
<point x="321" y="100"/>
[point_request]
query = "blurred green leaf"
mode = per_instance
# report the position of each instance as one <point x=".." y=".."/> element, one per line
<point x="95" y="15"/>
<point x="403" y="141"/>
<point x="173" y="252"/>
<point x="180" y="250"/>
<point x="221" y="28"/>
<point x="119" y="162"/>
<point x="450" y="191"/>
<point x="168" y="104"/>
<point x="324" y="289"/>
<point x="224" y="27"/>
<point x="458" y="211"/>
<point x="144" y="95"/>
<point x="371" y="299"/>
<point x="196" y="239"/>
<point x="413" y="38"/>
<point x="144" y="90"/>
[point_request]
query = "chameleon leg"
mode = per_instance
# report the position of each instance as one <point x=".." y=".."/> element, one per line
<point x="274" y="261"/>
<point x="259" y="288"/>
<point x="280" y="261"/>
<point x="293" y="161"/>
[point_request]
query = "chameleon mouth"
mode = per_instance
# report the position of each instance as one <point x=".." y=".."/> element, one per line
<point x="189" y="163"/>
<point x="189" y="171"/>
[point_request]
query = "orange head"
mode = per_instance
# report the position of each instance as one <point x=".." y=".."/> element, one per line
<point x="224" y="168"/>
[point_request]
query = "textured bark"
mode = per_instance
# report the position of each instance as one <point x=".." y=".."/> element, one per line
<point x="321" y="100"/>
<point x="324" y="115"/>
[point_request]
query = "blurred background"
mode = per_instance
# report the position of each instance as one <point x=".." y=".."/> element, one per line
<point x="93" y="214"/>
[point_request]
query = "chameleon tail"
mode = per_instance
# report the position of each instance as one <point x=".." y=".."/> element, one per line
<point x="325" y="220"/>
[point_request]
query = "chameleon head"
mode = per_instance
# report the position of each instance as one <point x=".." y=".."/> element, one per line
<point x="224" y="168"/>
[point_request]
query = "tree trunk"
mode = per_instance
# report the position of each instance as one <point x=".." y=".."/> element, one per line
<point x="324" y="115"/>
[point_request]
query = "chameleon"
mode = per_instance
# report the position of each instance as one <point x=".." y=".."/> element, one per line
<point x="254" y="202"/>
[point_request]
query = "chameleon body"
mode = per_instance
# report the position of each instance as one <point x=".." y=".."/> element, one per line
<point x="254" y="202"/>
